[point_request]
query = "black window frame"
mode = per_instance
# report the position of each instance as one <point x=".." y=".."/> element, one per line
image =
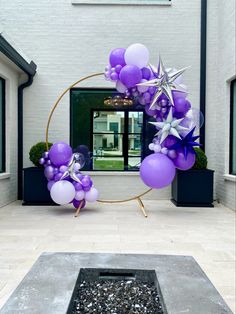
<point x="125" y="141"/>
<point x="232" y="122"/>
<point x="3" y="125"/>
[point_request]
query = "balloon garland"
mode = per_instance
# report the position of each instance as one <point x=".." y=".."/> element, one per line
<point x="161" y="91"/>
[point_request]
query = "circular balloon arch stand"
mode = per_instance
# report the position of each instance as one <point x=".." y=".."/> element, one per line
<point x="136" y="197"/>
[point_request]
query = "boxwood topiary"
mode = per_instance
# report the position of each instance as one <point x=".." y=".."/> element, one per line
<point x="36" y="152"/>
<point x="201" y="159"/>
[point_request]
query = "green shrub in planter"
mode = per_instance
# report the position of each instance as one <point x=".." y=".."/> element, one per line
<point x="201" y="159"/>
<point x="36" y="152"/>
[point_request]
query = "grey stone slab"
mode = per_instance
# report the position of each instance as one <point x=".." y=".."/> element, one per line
<point x="48" y="286"/>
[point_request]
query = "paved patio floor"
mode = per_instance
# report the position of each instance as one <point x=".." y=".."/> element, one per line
<point x="207" y="234"/>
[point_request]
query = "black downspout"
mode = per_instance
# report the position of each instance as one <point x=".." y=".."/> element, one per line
<point x="203" y="68"/>
<point x="20" y="132"/>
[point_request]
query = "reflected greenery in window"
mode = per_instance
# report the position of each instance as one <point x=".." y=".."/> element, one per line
<point x="233" y="128"/>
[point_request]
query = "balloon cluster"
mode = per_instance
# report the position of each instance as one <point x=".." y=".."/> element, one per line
<point x="65" y="181"/>
<point x="164" y="96"/>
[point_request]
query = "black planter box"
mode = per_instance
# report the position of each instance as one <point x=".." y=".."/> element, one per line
<point x="193" y="188"/>
<point x="35" y="190"/>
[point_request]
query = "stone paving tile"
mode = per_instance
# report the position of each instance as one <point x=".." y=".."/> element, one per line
<point x="207" y="234"/>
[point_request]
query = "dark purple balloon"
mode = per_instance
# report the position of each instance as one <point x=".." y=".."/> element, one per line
<point x="183" y="163"/>
<point x="76" y="203"/>
<point x="157" y="171"/>
<point x="78" y="186"/>
<point x="60" y="153"/>
<point x="181" y="104"/>
<point x="117" y="57"/>
<point x="146" y="73"/>
<point x="169" y="141"/>
<point x="130" y="75"/>
<point x="58" y="176"/>
<point x="45" y="155"/>
<point x="86" y="188"/>
<point x="149" y="111"/>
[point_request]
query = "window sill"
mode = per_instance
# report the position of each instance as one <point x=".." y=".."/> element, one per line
<point x="111" y="173"/>
<point x="230" y="177"/>
<point x="123" y="2"/>
<point x="4" y="175"/>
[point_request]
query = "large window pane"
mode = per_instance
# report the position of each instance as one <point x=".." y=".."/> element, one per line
<point x="134" y="145"/>
<point x="134" y="163"/>
<point x="106" y="163"/>
<point x="107" y="144"/>
<point x="2" y="125"/>
<point x="135" y="121"/>
<point x="233" y="129"/>
<point x="108" y="122"/>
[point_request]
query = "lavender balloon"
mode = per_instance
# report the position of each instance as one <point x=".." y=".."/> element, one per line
<point x="120" y="87"/>
<point x="92" y="195"/>
<point x="50" y="184"/>
<point x="130" y="75"/>
<point x="42" y="161"/>
<point x="157" y="171"/>
<point x="49" y="172"/>
<point x="137" y="54"/>
<point x="183" y="163"/>
<point x="117" y="57"/>
<point x="60" y="153"/>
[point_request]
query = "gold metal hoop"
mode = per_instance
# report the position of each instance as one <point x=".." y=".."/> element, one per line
<point x="137" y="197"/>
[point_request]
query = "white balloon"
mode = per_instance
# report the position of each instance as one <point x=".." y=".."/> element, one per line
<point x="120" y="87"/>
<point x="137" y="54"/>
<point x="62" y="192"/>
<point x="91" y="195"/>
<point x="79" y="196"/>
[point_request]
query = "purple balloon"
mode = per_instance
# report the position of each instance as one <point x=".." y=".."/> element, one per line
<point x="177" y="94"/>
<point x="58" y="176"/>
<point x="45" y="155"/>
<point x="117" y="57"/>
<point x="76" y="203"/>
<point x="63" y="169"/>
<point x="87" y="188"/>
<point x="149" y="111"/>
<point x="183" y="163"/>
<point x="157" y="171"/>
<point x="50" y="184"/>
<point x="78" y="186"/>
<point x="49" y="172"/>
<point x="130" y="75"/>
<point x="146" y="73"/>
<point x="114" y="76"/>
<point x="169" y="141"/>
<point x="41" y="161"/>
<point x="86" y="181"/>
<point x="60" y="153"/>
<point x="181" y="104"/>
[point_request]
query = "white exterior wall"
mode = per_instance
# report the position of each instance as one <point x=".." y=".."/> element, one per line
<point x="221" y="69"/>
<point x="8" y="180"/>
<point x="69" y="41"/>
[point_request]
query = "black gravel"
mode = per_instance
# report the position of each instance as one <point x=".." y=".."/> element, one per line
<point x="117" y="297"/>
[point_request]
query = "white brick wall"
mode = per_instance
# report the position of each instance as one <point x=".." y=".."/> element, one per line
<point x="221" y="68"/>
<point x="8" y="180"/>
<point x="70" y="41"/>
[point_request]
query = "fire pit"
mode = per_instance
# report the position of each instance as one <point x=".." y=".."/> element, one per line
<point x="116" y="291"/>
<point x="50" y="284"/>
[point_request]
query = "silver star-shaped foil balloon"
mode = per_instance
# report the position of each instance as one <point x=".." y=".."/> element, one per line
<point x="75" y="159"/>
<point x="165" y="83"/>
<point x="170" y="126"/>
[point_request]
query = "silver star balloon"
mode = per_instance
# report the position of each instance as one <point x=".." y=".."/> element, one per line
<point x="165" y="83"/>
<point x="76" y="159"/>
<point x="170" y="126"/>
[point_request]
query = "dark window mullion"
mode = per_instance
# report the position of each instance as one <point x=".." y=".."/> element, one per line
<point x="126" y="140"/>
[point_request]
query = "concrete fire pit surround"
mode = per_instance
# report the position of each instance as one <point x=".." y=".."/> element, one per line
<point x="48" y="286"/>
